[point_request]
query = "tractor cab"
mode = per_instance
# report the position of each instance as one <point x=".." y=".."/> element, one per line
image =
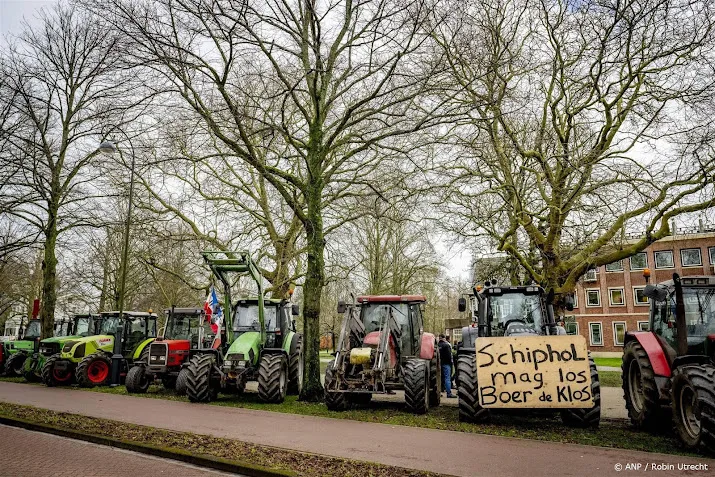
<point x="188" y="324"/>
<point x="32" y="331"/>
<point x="63" y="328"/>
<point x="138" y="327"/>
<point x="277" y="315"/>
<point x="83" y="325"/>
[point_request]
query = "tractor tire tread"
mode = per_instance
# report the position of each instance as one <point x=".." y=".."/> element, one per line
<point x="467" y="392"/>
<point x="198" y="378"/>
<point x="181" y="382"/>
<point x="586" y="417"/>
<point x="81" y="375"/>
<point x="702" y="378"/>
<point x="137" y="381"/>
<point x="435" y="380"/>
<point x="651" y="416"/>
<point x="295" y="381"/>
<point x="335" y="401"/>
<point x="416" y="379"/>
<point x="47" y="372"/>
<point x="269" y="375"/>
<point x="15" y="365"/>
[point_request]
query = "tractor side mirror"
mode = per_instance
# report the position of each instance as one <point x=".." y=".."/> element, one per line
<point x="292" y="324"/>
<point x="342" y="307"/>
<point x="462" y="304"/>
<point x="569" y="302"/>
<point x="295" y="310"/>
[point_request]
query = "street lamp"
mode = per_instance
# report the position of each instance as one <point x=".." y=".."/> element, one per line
<point x="108" y="147"/>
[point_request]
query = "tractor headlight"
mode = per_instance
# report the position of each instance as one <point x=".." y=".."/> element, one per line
<point x="241" y="364"/>
<point x="227" y="362"/>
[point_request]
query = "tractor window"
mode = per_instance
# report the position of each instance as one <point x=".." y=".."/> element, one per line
<point x="179" y="327"/>
<point x="372" y="313"/>
<point x="151" y="332"/>
<point x="109" y="325"/>
<point x="81" y="326"/>
<point x="247" y="317"/>
<point x="33" y="330"/>
<point x="699" y="311"/>
<point x="136" y="331"/>
<point x="514" y="307"/>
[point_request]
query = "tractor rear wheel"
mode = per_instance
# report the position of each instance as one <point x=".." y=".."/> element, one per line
<point x="15" y="365"/>
<point x="335" y="401"/>
<point x="693" y="403"/>
<point x="137" y="380"/>
<point x="52" y="376"/>
<point x="28" y="370"/>
<point x="295" y="371"/>
<point x="272" y="378"/>
<point x="435" y="381"/>
<point x="639" y="388"/>
<point x="93" y="370"/>
<point x="469" y="408"/>
<point x="586" y="417"/>
<point x="181" y="381"/>
<point x="198" y="379"/>
<point x="416" y="377"/>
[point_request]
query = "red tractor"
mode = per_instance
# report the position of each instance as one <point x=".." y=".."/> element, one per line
<point x="383" y="348"/>
<point x="187" y="333"/>
<point x="673" y="364"/>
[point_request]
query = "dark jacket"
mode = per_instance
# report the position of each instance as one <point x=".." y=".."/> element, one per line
<point x="445" y="353"/>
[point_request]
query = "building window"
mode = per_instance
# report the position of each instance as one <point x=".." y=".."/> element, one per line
<point x="456" y="336"/>
<point x="638" y="297"/>
<point x="575" y="299"/>
<point x="596" y="334"/>
<point x="664" y="259"/>
<point x="619" y="333"/>
<point x="711" y="251"/>
<point x="593" y="297"/>
<point x="616" y="296"/>
<point x="615" y="266"/>
<point x="590" y="275"/>
<point x="643" y="326"/>
<point x="639" y="261"/>
<point x="690" y="257"/>
<point x="571" y="328"/>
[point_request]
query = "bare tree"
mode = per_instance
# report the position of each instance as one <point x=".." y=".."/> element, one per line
<point x="586" y="126"/>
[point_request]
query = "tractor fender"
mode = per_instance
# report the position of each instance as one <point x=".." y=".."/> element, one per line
<point x="427" y="345"/>
<point x="291" y="342"/>
<point x="140" y="347"/>
<point x="652" y="347"/>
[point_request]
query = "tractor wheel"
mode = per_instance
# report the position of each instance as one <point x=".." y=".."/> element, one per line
<point x="54" y="377"/>
<point x="334" y="400"/>
<point x="435" y="383"/>
<point x="15" y="365"/>
<point x="94" y="370"/>
<point x="28" y="370"/>
<point x="181" y="381"/>
<point x="137" y="380"/>
<point x="272" y="378"/>
<point x="693" y="403"/>
<point x="417" y="378"/>
<point x="468" y="390"/>
<point x="359" y="399"/>
<point x="295" y="371"/>
<point x="198" y="379"/>
<point x="639" y="388"/>
<point x="586" y="417"/>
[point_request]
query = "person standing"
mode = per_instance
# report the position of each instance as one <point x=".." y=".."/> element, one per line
<point x="445" y="357"/>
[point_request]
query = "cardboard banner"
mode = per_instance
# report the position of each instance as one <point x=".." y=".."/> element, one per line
<point x="534" y="372"/>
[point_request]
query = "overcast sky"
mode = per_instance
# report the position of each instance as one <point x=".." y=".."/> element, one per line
<point x="12" y="13"/>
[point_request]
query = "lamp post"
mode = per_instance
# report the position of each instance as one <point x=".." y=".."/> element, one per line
<point x="108" y="147"/>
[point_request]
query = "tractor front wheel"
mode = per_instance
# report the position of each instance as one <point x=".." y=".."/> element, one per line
<point x="469" y="408"/>
<point x="52" y="376"/>
<point x="198" y="379"/>
<point x="181" y="381"/>
<point x="272" y="378"/>
<point x="137" y="380"/>
<point x="28" y="370"/>
<point x="435" y="380"/>
<point x="93" y="370"/>
<point x="586" y="417"/>
<point x="416" y="377"/>
<point x="336" y="401"/>
<point x="693" y="403"/>
<point x="295" y="371"/>
<point x="639" y="387"/>
<point x="15" y="365"/>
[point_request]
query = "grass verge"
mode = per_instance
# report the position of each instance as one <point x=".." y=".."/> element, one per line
<point x="300" y="463"/>
<point x="610" y="379"/>
<point x="612" y="362"/>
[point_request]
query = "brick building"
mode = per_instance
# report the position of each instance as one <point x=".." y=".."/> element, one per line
<point x="609" y="299"/>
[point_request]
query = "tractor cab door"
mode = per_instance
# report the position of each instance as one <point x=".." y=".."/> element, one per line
<point x="663" y="324"/>
<point x="411" y="342"/>
<point x="136" y="330"/>
<point x="82" y="326"/>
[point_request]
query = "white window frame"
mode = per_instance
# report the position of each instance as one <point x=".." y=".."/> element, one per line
<point x="590" y="333"/>
<point x="597" y="290"/>
<point x="640" y="322"/>
<point x="454" y="335"/>
<point x="672" y="259"/>
<point x="630" y="261"/>
<point x="616" y="270"/>
<point x="591" y="275"/>
<point x="700" y="254"/>
<point x="711" y="254"/>
<point x="623" y="296"/>
<point x="578" y="330"/>
<point x="635" y="298"/>
<point x="575" y="299"/>
<point x="625" y="330"/>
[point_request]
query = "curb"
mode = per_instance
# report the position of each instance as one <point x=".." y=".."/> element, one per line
<point x="199" y="460"/>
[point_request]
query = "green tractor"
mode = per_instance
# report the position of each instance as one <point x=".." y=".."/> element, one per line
<point x="65" y="330"/>
<point x="14" y="353"/>
<point x="260" y="342"/>
<point x="88" y="360"/>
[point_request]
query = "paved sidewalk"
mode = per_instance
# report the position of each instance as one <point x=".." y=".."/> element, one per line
<point x="445" y="452"/>
<point x="35" y="454"/>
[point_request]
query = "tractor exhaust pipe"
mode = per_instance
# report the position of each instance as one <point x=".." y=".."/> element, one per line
<point x="680" y="323"/>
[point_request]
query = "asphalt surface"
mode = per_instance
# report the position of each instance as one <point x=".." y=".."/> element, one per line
<point x="446" y="452"/>
<point x="44" y="455"/>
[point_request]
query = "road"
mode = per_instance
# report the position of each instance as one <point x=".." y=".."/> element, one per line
<point x="35" y="454"/>
<point x="445" y="452"/>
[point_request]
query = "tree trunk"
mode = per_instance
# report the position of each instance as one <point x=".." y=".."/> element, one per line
<point x="49" y="277"/>
<point x="313" y="289"/>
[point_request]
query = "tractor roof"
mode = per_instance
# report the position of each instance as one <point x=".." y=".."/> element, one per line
<point x="391" y="298"/>
<point x="185" y="311"/>
<point x="691" y="281"/>
<point x="136" y="314"/>
<point x="266" y="301"/>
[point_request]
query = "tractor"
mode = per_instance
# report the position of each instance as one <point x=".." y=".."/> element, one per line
<point x="673" y="364"/>
<point x="186" y="334"/>
<point x="14" y="353"/>
<point x="65" y="330"/>
<point x="259" y="341"/>
<point x="382" y="348"/>
<point x="520" y="321"/>
<point x="88" y="360"/>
